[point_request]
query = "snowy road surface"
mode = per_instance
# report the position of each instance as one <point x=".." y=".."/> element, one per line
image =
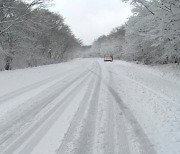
<point x="88" y="106"/>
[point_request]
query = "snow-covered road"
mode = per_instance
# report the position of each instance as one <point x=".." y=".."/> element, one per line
<point x="88" y="106"/>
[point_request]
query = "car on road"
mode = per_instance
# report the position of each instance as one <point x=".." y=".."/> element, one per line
<point x="108" y="58"/>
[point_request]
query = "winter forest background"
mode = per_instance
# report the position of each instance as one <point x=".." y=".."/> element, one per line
<point x="31" y="35"/>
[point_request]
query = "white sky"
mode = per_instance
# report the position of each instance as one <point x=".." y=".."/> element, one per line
<point x="88" y="19"/>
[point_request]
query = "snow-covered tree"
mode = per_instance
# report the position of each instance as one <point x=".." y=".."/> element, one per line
<point x="152" y="33"/>
<point x="30" y="35"/>
<point x="110" y="44"/>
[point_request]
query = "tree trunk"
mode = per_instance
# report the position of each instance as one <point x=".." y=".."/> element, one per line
<point x="8" y="61"/>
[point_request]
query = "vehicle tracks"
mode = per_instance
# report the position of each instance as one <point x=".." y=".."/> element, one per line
<point x="85" y="142"/>
<point x="121" y="140"/>
<point x="30" y="87"/>
<point x="11" y="137"/>
<point x="145" y="144"/>
<point x="35" y="105"/>
<point x="51" y="117"/>
<point x="68" y="145"/>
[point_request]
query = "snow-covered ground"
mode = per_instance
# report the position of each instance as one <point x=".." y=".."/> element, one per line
<point x="90" y="106"/>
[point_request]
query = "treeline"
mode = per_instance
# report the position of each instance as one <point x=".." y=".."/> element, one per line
<point x="31" y="35"/>
<point x="152" y="33"/>
<point x="110" y="44"/>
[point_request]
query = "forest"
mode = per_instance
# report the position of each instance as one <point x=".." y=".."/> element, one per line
<point x="151" y="35"/>
<point x="31" y="35"/>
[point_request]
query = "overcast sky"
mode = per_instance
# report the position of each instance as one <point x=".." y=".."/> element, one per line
<point x="89" y="19"/>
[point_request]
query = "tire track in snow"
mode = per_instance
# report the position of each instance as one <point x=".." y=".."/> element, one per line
<point x="163" y="96"/>
<point x="122" y="145"/>
<point x="109" y="127"/>
<point x="85" y="142"/>
<point x="35" y="104"/>
<point x="68" y="145"/>
<point x="30" y="87"/>
<point x="115" y="137"/>
<point x="121" y="133"/>
<point x="56" y="112"/>
<point x="146" y="145"/>
<point x="18" y="141"/>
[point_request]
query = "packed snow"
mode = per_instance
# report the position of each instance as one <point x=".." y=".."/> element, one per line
<point x="90" y="106"/>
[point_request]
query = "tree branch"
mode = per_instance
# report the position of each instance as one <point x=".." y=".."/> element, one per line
<point x="15" y="22"/>
<point x="7" y="28"/>
<point x="146" y="7"/>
